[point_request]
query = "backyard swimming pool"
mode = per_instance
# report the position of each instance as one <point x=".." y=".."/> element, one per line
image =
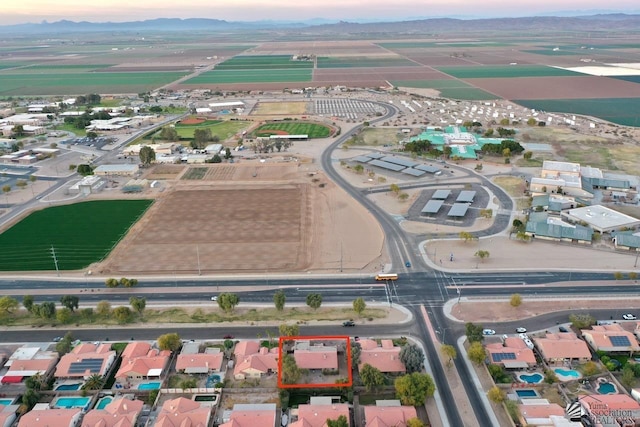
<point x="154" y="385"/>
<point x="212" y="380"/>
<point x="531" y="379"/>
<point x="104" y="402"/>
<point x="567" y="374"/>
<point x="209" y="398"/>
<point x="527" y="393"/>
<point x="71" y="402"/>
<point x="607" y="388"/>
<point x="6" y="402"/>
<point x="67" y="387"/>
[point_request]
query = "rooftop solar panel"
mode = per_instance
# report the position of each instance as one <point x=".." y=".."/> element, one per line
<point x="385" y="165"/>
<point x="399" y="161"/>
<point x="466" y="196"/>
<point x="441" y="194"/>
<point x="413" y="172"/>
<point x="499" y="357"/>
<point x="361" y="159"/>
<point x="91" y="365"/>
<point x="458" y="210"/>
<point x="432" y="206"/>
<point x="620" y="341"/>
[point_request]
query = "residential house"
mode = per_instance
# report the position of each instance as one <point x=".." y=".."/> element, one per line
<point x="539" y="412"/>
<point x="251" y="415"/>
<point x="385" y="358"/>
<point x="140" y="361"/>
<point x="121" y="412"/>
<point x="245" y="348"/>
<point x="50" y="418"/>
<point x="316" y="415"/>
<point x="611" y="410"/>
<point x="29" y="361"/>
<point x="513" y="353"/>
<point x="184" y="412"/>
<point x="8" y="415"/>
<point x="315" y="356"/>
<point x="191" y="361"/>
<point x="255" y="366"/>
<point x="85" y="360"/>
<point x="611" y="339"/>
<point x="562" y="348"/>
<point x="388" y="413"/>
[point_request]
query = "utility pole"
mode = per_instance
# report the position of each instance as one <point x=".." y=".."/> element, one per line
<point x="341" y="256"/>
<point x="55" y="259"/>
<point x="198" y="257"/>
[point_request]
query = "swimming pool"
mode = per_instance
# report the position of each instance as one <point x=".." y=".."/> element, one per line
<point x="531" y="379"/>
<point x="71" y="402"/>
<point x="209" y="398"/>
<point x="527" y="393"/>
<point x="567" y="374"/>
<point x="212" y="380"/>
<point x="6" y="402"/>
<point x="154" y="385"/>
<point x="66" y="387"/>
<point x="607" y="388"/>
<point x="104" y="402"/>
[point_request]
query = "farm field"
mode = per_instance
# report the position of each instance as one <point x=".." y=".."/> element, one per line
<point x="440" y="44"/>
<point x="271" y="75"/>
<point x="293" y="128"/>
<point x="364" y="62"/>
<point x="448" y="88"/>
<point x="622" y="111"/>
<point x="505" y="71"/>
<point x="81" y="234"/>
<point x="262" y="62"/>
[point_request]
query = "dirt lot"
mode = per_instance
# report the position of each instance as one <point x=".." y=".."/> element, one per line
<point x="252" y="216"/>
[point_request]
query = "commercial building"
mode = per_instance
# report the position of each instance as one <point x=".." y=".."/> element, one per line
<point x="125" y="169"/>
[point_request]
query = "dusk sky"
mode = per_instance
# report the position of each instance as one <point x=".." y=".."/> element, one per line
<point x="21" y="11"/>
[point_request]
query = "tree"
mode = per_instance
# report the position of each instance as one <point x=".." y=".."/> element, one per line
<point x="64" y="315"/>
<point x="30" y="397"/>
<point x="228" y="301"/>
<point x="628" y="378"/>
<point x="103" y="309"/>
<point x="371" y="377"/>
<point x="590" y="368"/>
<point x="474" y="332"/>
<point x="466" y="236"/>
<point x="482" y="254"/>
<point x="289" y="330"/>
<point x="527" y="155"/>
<point x="169" y="342"/>
<point x="21" y="184"/>
<point x="122" y="314"/>
<point x="515" y="300"/>
<point x="403" y="197"/>
<point x="138" y="304"/>
<point x="618" y="276"/>
<point x="188" y="383"/>
<point x="169" y="133"/>
<point x="476" y="353"/>
<point x="27" y="302"/>
<point x="496" y="394"/>
<point x="291" y="374"/>
<point x="201" y="138"/>
<point x="581" y="320"/>
<point x="412" y="357"/>
<point x="64" y="345"/>
<point x="279" y="298"/>
<point x="216" y="159"/>
<point x="414" y="389"/>
<point x="449" y="352"/>
<point x="70" y="302"/>
<point x="46" y="310"/>
<point x="8" y="305"/>
<point x="358" y="168"/>
<point x="94" y="382"/>
<point x="394" y="188"/>
<point x="35" y="382"/>
<point x="359" y="305"/>
<point x="356" y="351"/>
<point x="92" y="135"/>
<point x="633" y="275"/>
<point x="6" y="189"/>
<point x="32" y="178"/>
<point x="314" y="301"/>
<point x="124" y="282"/>
<point x="227" y="153"/>
<point x="85" y="170"/>
<point x="147" y="155"/>
<point x="415" y="422"/>
<point x="340" y="422"/>
<point x="17" y="131"/>
<point x="523" y="236"/>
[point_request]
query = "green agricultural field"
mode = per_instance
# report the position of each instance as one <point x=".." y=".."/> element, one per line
<point x="622" y="111"/>
<point x="415" y="45"/>
<point x="81" y="234"/>
<point x="352" y="62"/>
<point x="222" y="129"/>
<point x="17" y="84"/>
<point x="505" y="71"/>
<point x="314" y="130"/>
<point x="551" y="52"/>
<point x="252" y="76"/>
<point x="453" y="89"/>
<point x="262" y="62"/>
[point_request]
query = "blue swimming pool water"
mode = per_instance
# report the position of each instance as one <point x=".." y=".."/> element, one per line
<point x="567" y="372"/>
<point x="63" y="387"/>
<point x="213" y="380"/>
<point x="6" y="402"/>
<point x="155" y="385"/>
<point x="71" y="402"/>
<point x="607" y="388"/>
<point x="531" y="379"/>
<point x="527" y="393"/>
<point x="104" y="402"/>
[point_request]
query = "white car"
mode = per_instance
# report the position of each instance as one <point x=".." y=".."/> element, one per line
<point x="215" y="298"/>
<point x="629" y="316"/>
<point x="521" y="330"/>
<point x="488" y="332"/>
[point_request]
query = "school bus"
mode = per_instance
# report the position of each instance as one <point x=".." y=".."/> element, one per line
<point x="384" y="277"/>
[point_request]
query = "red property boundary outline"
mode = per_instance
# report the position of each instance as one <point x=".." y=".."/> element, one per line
<point x="345" y="338"/>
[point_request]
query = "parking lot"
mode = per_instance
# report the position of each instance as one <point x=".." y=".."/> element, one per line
<point x="345" y="108"/>
<point x="96" y="143"/>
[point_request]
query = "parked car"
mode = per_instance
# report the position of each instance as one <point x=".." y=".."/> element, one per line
<point x="57" y="339"/>
<point x="521" y="330"/>
<point x="214" y="298"/>
<point x="348" y="323"/>
<point x="488" y="332"/>
<point x="629" y="316"/>
<point x="563" y="329"/>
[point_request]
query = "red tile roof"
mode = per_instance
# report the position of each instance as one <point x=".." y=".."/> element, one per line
<point x="119" y="413"/>
<point x="183" y="412"/>
<point x="316" y="357"/>
<point x="388" y="416"/>
<point x="563" y="345"/>
<point x="242" y="418"/>
<point x="50" y="418"/>
<point x="385" y="358"/>
<point x="209" y="361"/>
<point x="317" y="415"/>
<point x="82" y="352"/>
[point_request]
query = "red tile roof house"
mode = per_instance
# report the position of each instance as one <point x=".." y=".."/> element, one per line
<point x="8" y="415"/>
<point x="385" y="358"/>
<point x="611" y="339"/>
<point x="256" y="365"/>
<point x="28" y="361"/>
<point x="563" y="348"/>
<point x="316" y="356"/>
<point x="119" y="413"/>
<point x="513" y="354"/>
<point x="539" y="414"/>
<point x="183" y="412"/>
<point x="140" y="361"/>
<point x="611" y="407"/>
<point x="200" y="363"/>
<point x="388" y="413"/>
<point x="50" y="418"/>
<point x="313" y="415"/>
<point x="85" y="360"/>
<point x="252" y="415"/>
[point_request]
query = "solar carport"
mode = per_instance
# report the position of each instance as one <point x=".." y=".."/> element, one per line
<point x="441" y="194"/>
<point x="413" y="172"/>
<point x="385" y="165"/>
<point x="362" y="159"/>
<point x="399" y="161"/>
<point x="466" y="196"/>
<point x="458" y="210"/>
<point x="432" y="207"/>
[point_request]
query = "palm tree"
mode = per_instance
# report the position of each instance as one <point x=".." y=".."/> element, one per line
<point x="94" y="382"/>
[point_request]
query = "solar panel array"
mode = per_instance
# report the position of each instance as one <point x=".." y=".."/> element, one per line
<point x="441" y="194"/>
<point x="427" y="168"/>
<point x="91" y="365"/>
<point x="413" y="172"/>
<point x="395" y="164"/>
<point x="499" y="357"/>
<point x="466" y="196"/>
<point x="362" y="159"/>
<point x="386" y="165"/>
<point x="620" y="341"/>
<point x="376" y="155"/>
<point x="458" y="209"/>
<point x="432" y="206"/>
<point x="399" y="161"/>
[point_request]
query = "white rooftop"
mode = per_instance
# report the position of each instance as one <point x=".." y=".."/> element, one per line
<point x="602" y="217"/>
<point x="561" y="166"/>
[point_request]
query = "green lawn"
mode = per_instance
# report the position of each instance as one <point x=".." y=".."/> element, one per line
<point x="81" y="234"/>
<point x="332" y="62"/>
<point x="222" y="129"/>
<point x="505" y="71"/>
<point x="262" y="62"/>
<point x="295" y="128"/>
<point x="449" y="88"/>
<point x="622" y="111"/>
<point x="252" y="76"/>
